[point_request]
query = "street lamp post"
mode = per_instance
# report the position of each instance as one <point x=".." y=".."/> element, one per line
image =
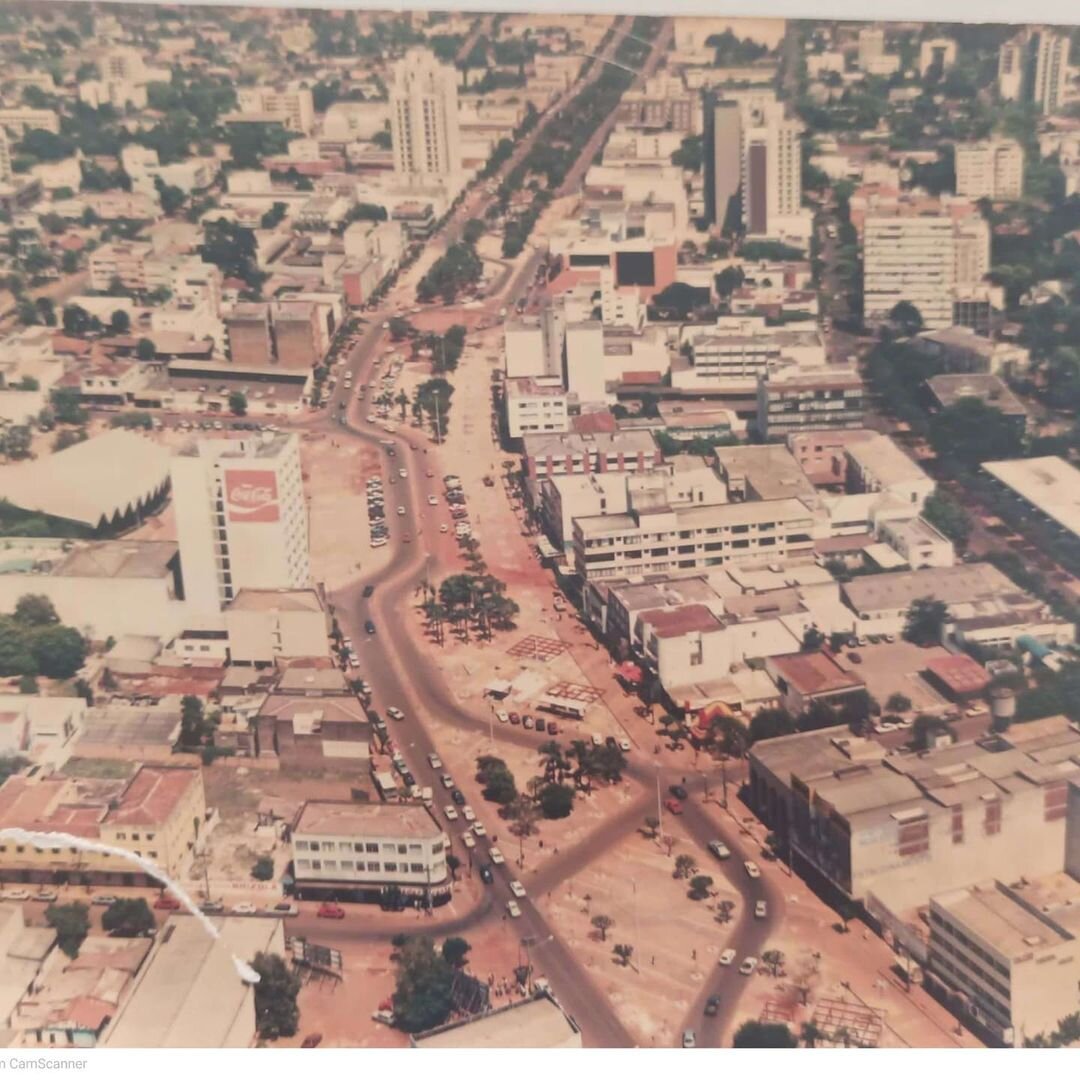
<point x="659" y="804"/>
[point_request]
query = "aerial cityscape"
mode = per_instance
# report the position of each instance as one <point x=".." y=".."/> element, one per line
<point x="537" y="530"/>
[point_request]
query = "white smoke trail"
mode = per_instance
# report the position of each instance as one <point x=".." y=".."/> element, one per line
<point x="59" y="839"/>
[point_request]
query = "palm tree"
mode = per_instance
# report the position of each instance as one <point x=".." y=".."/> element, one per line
<point x="403" y="401"/>
<point x="554" y="763"/>
<point x="811" y="1033"/>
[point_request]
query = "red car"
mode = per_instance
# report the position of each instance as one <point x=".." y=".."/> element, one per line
<point x="673" y="806"/>
<point x="311" y="1041"/>
<point x="167" y="903"/>
<point x="331" y="911"/>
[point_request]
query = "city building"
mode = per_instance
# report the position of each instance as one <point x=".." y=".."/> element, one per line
<point x="961" y="349"/>
<point x="6" y="173"/>
<point x="938" y="54"/>
<point x="188" y="993"/>
<point x="993" y="169"/>
<point x="297" y="342"/>
<point x="949" y="389"/>
<point x="661" y="539"/>
<point x="772" y="174"/>
<point x="723" y="157"/>
<point x="534" y="344"/>
<point x="250" y="342"/>
<point x="1011" y="64"/>
<point x="156" y="812"/>
<point x="366" y="849"/>
<point x="596" y="452"/>
<point x="1046" y="487"/>
<point x="20" y="119"/>
<point x="424" y="118"/>
<point x="105" y="484"/>
<point x="804" y="678"/>
<point x="538" y="1022"/>
<point x="268" y="625"/>
<point x="1051" y="78"/>
<point x="793" y="399"/>
<point x="1012" y="958"/>
<point x="878" y="464"/>
<point x="241" y="518"/>
<point x="134" y="265"/>
<point x="532" y="406"/>
<point x="291" y="107"/>
<point x="890" y="830"/>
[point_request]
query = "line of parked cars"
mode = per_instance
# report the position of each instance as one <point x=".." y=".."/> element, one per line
<point x="377" y="527"/>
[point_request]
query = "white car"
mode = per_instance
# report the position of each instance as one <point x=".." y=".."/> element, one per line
<point x="446" y="780"/>
<point x="503" y="716"/>
<point x="395" y="713"/>
<point x="512" y="909"/>
<point x="727" y="957"/>
<point x="624" y="745"/>
<point x="444" y="528"/>
<point x="403" y="473"/>
<point x="720" y="849"/>
<point x="752" y="870"/>
<point x="401" y="511"/>
<point x="496" y="856"/>
<point x="597" y="740"/>
<point x="451" y="813"/>
<point x="748" y="966"/>
<point x="760" y="910"/>
<point x="17" y="894"/>
<point x="467" y="813"/>
<point x="434" y="760"/>
<point x="243" y="909"/>
<point x="370" y="418"/>
<point x="378" y="542"/>
<point x="883" y="727"/>
<point x="432" y="500"/>
<point x="353" y="663"/>
<point x="478" y="829"/>
<point x="517" y="889"/>
<point x="104" y="900"/>
<point x="468" y="840"/>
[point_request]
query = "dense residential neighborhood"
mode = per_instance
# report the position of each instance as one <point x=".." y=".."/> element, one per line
<point x="561" y="529"/>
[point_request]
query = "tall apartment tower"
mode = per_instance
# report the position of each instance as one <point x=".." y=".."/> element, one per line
<point x="723" y="157"/>
<point x="1051" y="70"/>
<point x="990" y="170"/>
<point x="241" y="519"/>
<point x="424" y="118"/>
<point x="913" y="259"/>
<point x="296" y="335"/>
<point x="871" y="45"/>
<point x="1011" y="62"/>
<point x="771" y="171"/>
<point x="5" y="158"/>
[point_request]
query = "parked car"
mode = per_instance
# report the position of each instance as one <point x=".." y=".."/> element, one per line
<point x="720" y="849"/>
<point x="478" y="829"/>
<point x="47" y="895"/>
<point x="395" y="713"/>
<point x="446" y="780"/>
<point x="434" y="761"/>
<point x="167" y="903"/>
<point x="210" y="907"/>
<point x="689" y="1039"/>
<point x="451" y="813"/>
<point x="752" y="870"/>
<point x="503" y="716"/>
<point x="513" y="910"/>
<point x="369" y="626"/>
<point x="496" y="856"/>
<point x="468" y="840"/>
<point x="517" y="889"/>
<point x="368" y="590"/>
<point x="679" y="792"/>
<point x="673" y="806"/>
<point x="284" y="908"/>
<point x="527" y="722"/>
<point x="330" y="910"/>
<point x="854" y="657"/>
<point x="17" y="894"/>
<point x="727" y="957"/>
<point x="624" y="745"/>
<point x="712" y="1005"/>
<point x="102" y="899"/>
<point x="311" y="1041"/>
<point x="486" y="876"/>
<point x="748" y="966"/>
<point x="458" y="797"/>
<point x="243" y="909"/>
<point x="468" y="814"/>
<point x="761" y="910"/>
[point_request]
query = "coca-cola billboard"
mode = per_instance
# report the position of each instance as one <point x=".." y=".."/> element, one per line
<point x="252" y="495"/>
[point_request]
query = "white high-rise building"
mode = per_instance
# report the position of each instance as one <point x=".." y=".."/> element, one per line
<point x="771" y="171"/>
<point x="913" y="259"/>
<point x="5" y="159"/>
<point x="424" y="118"/>
<point x="990" y="170"/>
<point x="1051" y="71"/>
<point x="871" y="45"/>
<point x="1010" y="77"/>
<point x="292" y="106"/>
<point x="241" y="518"/>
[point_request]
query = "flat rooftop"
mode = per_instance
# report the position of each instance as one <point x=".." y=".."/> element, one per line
<point x="1050" y="484"/>
<point x="771" y="470"/>
<point x="276" y="600"/>
<point x="949" y="389"/>
<point x="367" y="819"/>
<point x="129" y="725"/>
<point x="120" y="559"/>
<point x="885" y="461"/>
<point x="964" y="583"/>
<point x="814" y="673"/>
<point x="538" y="1023"/>
<point x="189" y="994"/>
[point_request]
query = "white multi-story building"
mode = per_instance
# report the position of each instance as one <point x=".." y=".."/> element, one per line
<point x="923" y="259"/>
<point x="656" y="538"/>
<point x="871" y="45"/>
<point x="21" y="119"/>
<point x="135" y="265"/>
<point x="533" y="405"/>
<point x="990" y="170"/>
<point x="1051" y="71"/>
<point x="5" y="158"/>
<point x="241" y="518"/>
<point x="533" y="345"/>
<point x="292" y="107"/>
<point x="771" y="172"/>
<point x="1010" y="78"/>
<point x="424" y="118"/>
<point x="365" y="848"/>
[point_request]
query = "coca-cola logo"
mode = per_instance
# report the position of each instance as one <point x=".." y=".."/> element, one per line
<point x="252" y="495"/>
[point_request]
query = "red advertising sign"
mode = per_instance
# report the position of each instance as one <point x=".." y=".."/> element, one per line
<point x="252" y="495"/>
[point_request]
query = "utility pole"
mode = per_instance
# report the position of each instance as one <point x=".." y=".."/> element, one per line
<point x="659" y="804"/>
<point x="637" y="926"/>
<point x="723" y="779"/>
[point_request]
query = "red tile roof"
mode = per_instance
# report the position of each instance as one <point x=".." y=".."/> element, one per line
<point x="814" y="673"/>
<point x="674" y="622"/>
<point x="960" y="674"/>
